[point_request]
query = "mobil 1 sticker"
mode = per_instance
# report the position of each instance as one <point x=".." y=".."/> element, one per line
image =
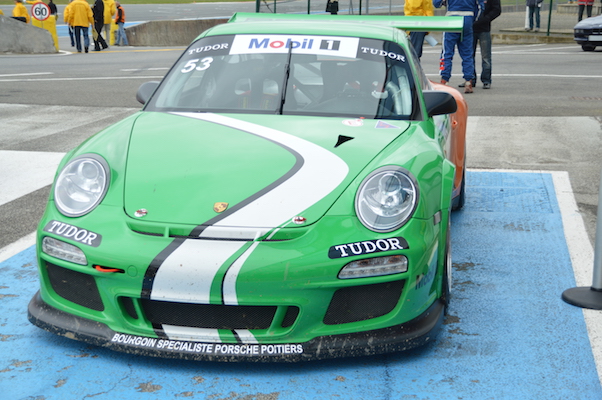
<point x="298" y="44"/>
<point x="377" y="50"/>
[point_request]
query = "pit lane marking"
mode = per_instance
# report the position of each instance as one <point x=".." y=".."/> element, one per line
<point x="27" y="74"/>
<point x="98" y="78"/>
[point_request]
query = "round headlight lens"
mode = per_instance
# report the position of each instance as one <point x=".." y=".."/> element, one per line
<point x="81" y="185"/>
<point x="386" y="199"/>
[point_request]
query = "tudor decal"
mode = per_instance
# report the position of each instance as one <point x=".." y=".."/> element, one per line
<point x="72" y="232"/>
<point x="367" y="247"/>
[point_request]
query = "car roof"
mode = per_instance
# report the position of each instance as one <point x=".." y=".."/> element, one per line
<point x="300" y="28"/>
<point x="376" y="27"/>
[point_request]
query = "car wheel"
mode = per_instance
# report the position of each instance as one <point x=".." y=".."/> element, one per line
<point x="588" y="47"/>
<point x="446" y="284"/>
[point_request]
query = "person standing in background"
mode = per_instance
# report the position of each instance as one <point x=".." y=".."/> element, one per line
<point x="471" y="10"/>
<point x="583" y="5"/>
<point x="69" y="27"/>
<point x="108" y="17"/>
<point x="534" y="7"/>
<point x="20" y="12"/>
<point x="420" y="8"/>
<point x="481" y="31"/>
<point x="80" y="18"/>
<point x="120" y="21"/>
<point x="53" y="9"/>
<point x="332" y="6"/>
<point x="99" y="18"/>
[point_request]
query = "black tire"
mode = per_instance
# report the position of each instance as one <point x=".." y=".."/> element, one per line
<point x="460" y="199"/>
<point x="588" y="47"/>
<point x="446" y="282"/>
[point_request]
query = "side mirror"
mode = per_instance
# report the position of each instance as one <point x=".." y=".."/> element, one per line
<point x="438" y="102"/>
<point x="146" y="90"/>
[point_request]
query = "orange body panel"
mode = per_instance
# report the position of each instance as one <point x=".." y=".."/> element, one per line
<point x="458" y="137"/>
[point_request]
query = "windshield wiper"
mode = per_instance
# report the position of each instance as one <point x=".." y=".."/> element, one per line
<point x="287" y="73"/>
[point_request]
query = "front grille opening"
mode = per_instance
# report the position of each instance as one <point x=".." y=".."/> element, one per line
<point x="74" y="286"/>
<point x="290" y="317"/>
<point x="128" y="305"/>
<point x="359" y="303"/>
<point x="210" y="316"/>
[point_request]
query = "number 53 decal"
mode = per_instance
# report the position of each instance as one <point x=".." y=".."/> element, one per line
<point x="192" y="65"/>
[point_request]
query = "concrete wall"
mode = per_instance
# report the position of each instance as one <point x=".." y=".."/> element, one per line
<point x="169" y="33"/>
<point x="573" y="8"/>
<point x="19" y="37"/>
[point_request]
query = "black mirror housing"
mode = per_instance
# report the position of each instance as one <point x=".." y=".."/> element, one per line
<point x="146" y="90"/>
<point x="438" y="102"/>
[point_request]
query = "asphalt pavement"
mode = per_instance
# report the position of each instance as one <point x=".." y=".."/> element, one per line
<point x="517" y="245"/>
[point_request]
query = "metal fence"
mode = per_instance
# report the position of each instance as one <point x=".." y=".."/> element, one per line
<point x="364" y="7"/>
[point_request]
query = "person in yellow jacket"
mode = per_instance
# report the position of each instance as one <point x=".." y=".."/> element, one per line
<point x="110" y="9"/>
<point x="66" y="20"/>
<point x="418" y="8"/>
<point x="20" y="12"/>
<point x="78" y="14"/>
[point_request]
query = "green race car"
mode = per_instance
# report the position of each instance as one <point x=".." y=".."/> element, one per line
<point x="284" y="195"/>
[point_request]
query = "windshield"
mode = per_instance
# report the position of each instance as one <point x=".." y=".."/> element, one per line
<point x="293" y="75"/>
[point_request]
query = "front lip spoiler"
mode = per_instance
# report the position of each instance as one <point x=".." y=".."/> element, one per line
<point x="414" y="333"/>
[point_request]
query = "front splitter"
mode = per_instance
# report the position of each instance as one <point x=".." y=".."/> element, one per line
<point x="414" y="333"/>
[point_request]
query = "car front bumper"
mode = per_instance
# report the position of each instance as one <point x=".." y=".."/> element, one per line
<point x="414" y="333"/>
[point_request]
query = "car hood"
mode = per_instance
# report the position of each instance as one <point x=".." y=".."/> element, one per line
<point x="220" y="172"/>
<point x="590" y="23"/>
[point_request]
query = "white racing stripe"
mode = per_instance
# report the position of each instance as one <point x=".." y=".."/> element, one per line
<point x="308" y="186"/>
<point x="193" y="334"/>
<point x="188" y="272"/>
<point x="204" y="335"/>
<point x="229" y="286"/>
<point x="246" y="336"/>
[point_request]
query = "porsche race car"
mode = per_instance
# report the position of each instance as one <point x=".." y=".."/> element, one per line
<point x="283" y="195"/>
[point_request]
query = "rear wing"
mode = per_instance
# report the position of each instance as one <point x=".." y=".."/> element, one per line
<point x="410" y="23"/>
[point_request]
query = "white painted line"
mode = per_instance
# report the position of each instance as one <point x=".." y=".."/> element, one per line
<point x="24" y="172"/>
<point x="99" y="78"/>
<point x="579" y="247"/>
<point x="142" y="69"/>
<point x="536" y="76"/>
<point x="582" y="257"/>
<point x="16" y="247"/>
<point x="28" y="74"/>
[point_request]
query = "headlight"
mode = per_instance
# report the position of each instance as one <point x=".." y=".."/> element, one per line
<point x="378" y="266"/>
<point x="81" y="185"/>
<point x="64" y="251"/>
<point x="386" y="199"/>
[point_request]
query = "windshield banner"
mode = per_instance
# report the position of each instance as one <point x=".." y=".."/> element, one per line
<point x="319" y="45"/>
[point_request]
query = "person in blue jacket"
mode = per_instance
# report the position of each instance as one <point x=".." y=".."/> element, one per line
<point x="470" y="10"/>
